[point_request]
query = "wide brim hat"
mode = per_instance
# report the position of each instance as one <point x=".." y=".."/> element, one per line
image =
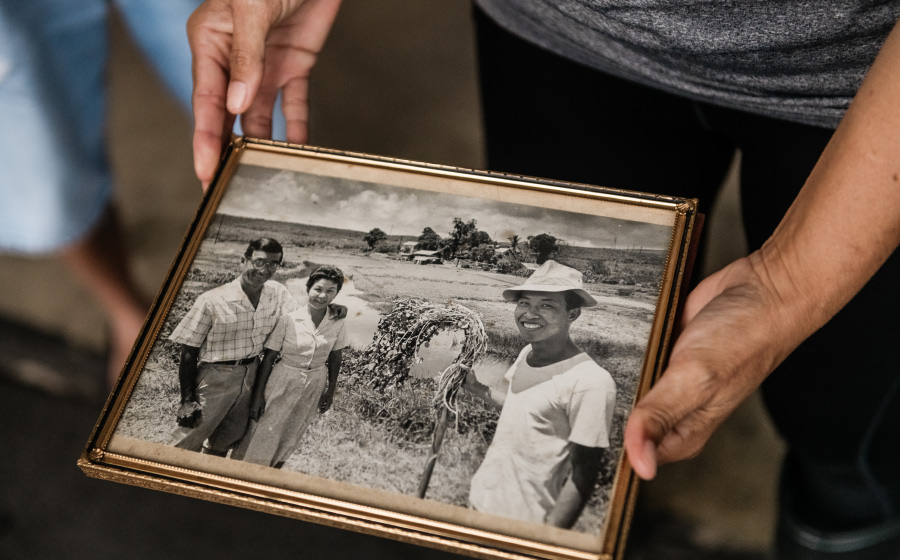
<point x="553" y="277"/>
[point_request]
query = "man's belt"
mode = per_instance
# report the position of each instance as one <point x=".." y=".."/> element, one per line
<point x="241" y="362"/>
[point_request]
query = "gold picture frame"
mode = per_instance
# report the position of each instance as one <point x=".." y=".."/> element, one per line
<point x="633" y="252"/>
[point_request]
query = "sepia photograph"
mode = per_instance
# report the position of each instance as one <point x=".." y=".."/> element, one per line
<point x="464" y="355"/>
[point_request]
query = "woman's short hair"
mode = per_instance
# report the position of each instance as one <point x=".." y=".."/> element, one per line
<point x="326" y="272"/>
<point x="264" y="244"/>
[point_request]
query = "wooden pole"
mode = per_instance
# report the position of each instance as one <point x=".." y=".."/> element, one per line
<point x="437" y="439"/>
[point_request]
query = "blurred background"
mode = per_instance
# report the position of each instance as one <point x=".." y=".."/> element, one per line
<point x="396" y="78"/>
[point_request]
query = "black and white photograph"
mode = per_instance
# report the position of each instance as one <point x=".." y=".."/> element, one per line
<point x="404" y="344"/>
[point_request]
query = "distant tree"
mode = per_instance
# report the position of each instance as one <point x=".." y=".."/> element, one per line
<point x="429" y="240"/>
<point x="374" y="237"/>
<point x="483" y="253"/>
<point x="514" y="253"/>
<point x="445" y="249"/>
<point x="544" y="245"/>
<point x="513" y="242"/>
<point x="480" y="238"/>
<point x="506" y="266"/>
<point x="598" y="267"/>
<point x="461" y="234"/>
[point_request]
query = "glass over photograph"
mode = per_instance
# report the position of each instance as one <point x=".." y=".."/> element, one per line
<point x="425" y="351"/>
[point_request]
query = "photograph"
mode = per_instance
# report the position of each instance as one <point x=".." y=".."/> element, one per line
<point x="449" y="350"/>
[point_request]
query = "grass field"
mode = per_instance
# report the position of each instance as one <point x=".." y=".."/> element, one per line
<point x="381" y="441"/>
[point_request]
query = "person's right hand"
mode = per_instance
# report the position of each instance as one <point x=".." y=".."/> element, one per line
<point x="189" y="414"/>
<point x="337" y="310"/>
<point x="244" y="53"/>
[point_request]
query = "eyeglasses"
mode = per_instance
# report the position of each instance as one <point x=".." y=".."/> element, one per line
<point x="260" y="264"/>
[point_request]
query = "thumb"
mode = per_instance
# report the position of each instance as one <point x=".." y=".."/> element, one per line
<point x="640" y="447"/>
<point x="661" y="427"/>
<point x="252" y="21"/>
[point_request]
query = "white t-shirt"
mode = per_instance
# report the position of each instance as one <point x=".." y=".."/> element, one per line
<point x="528" y="460"/>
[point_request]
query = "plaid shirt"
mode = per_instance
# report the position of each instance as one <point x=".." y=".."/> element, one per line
<point x="225" y="326"/>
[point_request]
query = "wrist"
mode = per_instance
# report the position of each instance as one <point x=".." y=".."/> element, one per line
<point x="801" y="296"/>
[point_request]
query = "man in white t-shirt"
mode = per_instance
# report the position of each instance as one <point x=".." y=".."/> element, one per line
<point x="557" y="410"/>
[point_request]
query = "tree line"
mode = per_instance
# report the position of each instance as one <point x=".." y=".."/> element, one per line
<point x="465" y="240"/>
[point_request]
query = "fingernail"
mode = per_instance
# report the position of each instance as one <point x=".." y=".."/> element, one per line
<point x="237" y="94"/>
<point x="650" y="458"/>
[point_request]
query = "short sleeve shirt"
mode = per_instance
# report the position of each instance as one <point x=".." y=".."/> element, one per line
<point x="529" y="458"/>
<point x="302" y="344"/>
<point x="225" y="325"/>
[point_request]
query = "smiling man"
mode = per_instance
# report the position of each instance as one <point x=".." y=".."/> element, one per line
<point x="221" y="337"/>
<point x="557" y="410"/>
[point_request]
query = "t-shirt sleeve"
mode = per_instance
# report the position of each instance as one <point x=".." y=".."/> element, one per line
<point x="590" y="414"/>
<point x="511" y="372"/>
<point x="195" y="324"/>
<point x="275" y="341"/>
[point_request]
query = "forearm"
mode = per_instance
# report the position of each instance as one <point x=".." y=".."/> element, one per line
<point x="577" y="489"/>
<point x="334" y="368"/>
<point x="846" y="220"/>
<point x="485" y="393"/>
<point x="263" y="372"/>
<point x="187" y="372"/>
<point x="742" y="321"/>
<point x="568" y="506"/>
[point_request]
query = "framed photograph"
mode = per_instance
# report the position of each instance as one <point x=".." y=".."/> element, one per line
<point x="438" y="355"/>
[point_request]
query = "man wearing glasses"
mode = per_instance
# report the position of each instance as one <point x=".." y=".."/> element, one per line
<point x="221" y="337"/>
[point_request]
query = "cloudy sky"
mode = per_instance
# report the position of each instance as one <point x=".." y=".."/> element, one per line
<point x="289" y="196"/>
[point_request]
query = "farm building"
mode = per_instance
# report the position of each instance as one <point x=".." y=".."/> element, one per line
<point x="426" y="257"/>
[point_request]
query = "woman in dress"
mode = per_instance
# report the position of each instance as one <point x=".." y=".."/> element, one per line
<point x="298" y="374"/>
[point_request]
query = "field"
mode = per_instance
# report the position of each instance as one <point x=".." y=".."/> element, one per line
<point x="381" y="439"/>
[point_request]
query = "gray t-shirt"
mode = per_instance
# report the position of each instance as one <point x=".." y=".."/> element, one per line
<point x="800" y="60"/>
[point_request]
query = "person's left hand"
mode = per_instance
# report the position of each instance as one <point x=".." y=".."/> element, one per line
<point x="325" y="402"/>
<point x="733" y="335"/>
<point x="257" y="408"/>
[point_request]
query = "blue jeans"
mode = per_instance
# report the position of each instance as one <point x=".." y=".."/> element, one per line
<point x="55" y="181"/>
<point x="54" y="177"/>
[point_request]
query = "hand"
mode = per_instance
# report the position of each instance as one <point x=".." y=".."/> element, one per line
<point x="734" y="333"/>
<point x="257" y="408"/>
<point x="491" y="397"/>
<point x="325" y="402"/>
<point x="244" y="53"/>
<point x="189" y="414"/>
<point x="741" y="322"/>
<point x="337" y="311"/>
<point x="470" y="382"/>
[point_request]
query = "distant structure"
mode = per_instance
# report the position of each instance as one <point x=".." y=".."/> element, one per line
<point x="426" y="257"/>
